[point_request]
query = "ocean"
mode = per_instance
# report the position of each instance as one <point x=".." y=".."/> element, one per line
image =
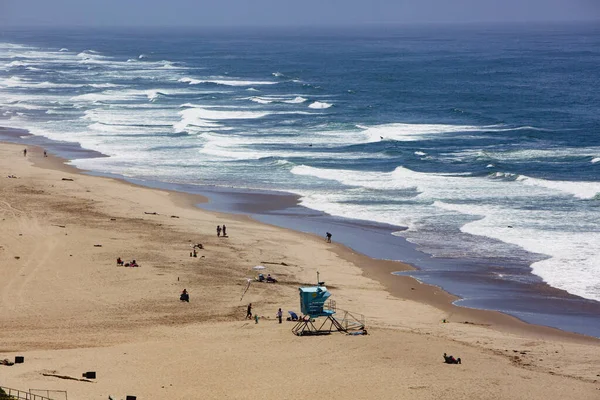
<point x="476" y="149"/>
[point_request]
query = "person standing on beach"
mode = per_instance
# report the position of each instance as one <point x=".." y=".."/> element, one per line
<point x="328" y="237"/>
<point x="279" y="315"/>
<point x="224" y="230"/>
<point x="218" y="230"/>
<point x="249" y="312"/>
<point x="45" y="154"/>
<point x="24" y="152"/>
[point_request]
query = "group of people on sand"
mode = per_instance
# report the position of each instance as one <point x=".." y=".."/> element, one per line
<point x="195" y="248"/>
<point x="268" y="279"/>
<point x="122" y="263"/>
<point x="25" y="153"/>
<point x="221" y="229"/>
<point x="249" y="315"/>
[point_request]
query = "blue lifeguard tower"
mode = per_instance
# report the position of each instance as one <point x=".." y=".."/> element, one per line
<point x="312" y="304"/>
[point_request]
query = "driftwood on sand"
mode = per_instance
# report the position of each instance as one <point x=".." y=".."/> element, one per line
<point x="68" y="377"/>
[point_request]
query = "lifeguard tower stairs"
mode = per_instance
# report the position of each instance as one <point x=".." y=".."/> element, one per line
<point x="312" y="304"/>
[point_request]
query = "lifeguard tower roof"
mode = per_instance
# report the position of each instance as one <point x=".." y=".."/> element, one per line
<point x="312" y="301"/>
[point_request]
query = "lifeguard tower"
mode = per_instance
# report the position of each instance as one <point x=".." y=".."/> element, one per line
<point x="312" y="304"/>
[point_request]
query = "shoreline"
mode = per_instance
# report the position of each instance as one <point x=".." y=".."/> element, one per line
<point x="67" y="308"/>
<point x="381" y="270"/>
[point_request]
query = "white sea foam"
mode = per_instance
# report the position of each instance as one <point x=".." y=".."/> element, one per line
<point x="569" y="251"/>
<point x="595" y="160"/>
<point x="296" y="100"/>
<point x="170" y="65"/>
<point x="153" y="95"/>
<point x="261" y="100"/>
<point x="420" y="153"/>
<point x="15" y="64"/>
<point x="411" y="132"/>
<point x="226" y="82"/>
<point x="525" y="154"/>
<point x="146" y="117"/>
<point x="103" y="85"/>
<point x="16" y="82"/>
<point x="217" y="115"/>
<point x="125" y="95"/>
<point x="582" y="190"/>
<point x="319" y="105"/>
<point x="13" y="81"/>
<point x="277" y="99"/>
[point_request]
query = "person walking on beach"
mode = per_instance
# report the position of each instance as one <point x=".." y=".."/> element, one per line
<point x="218" y="230"/>
<point x="249" y="312"/>
<point x="24" y="152"/>
<point x="328" y="237"/>
<point x="224" y="230"/>
<point x="45" y="154"/>
<point x="279" y="315"/>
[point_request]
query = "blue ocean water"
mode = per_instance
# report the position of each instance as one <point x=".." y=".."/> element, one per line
<point x="483" y="141"/>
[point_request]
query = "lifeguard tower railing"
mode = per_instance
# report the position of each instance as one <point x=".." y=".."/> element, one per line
<point x="10" y="393"/>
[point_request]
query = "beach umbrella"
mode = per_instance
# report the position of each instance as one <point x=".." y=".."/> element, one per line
<point x="258" y="268"/>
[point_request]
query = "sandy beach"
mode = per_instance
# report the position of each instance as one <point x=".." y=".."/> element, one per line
<point x="68" y="308"/>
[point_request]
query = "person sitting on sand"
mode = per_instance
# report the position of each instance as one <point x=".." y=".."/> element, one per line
<point x="260" y="278"/>
<point x="184" y="296"/>
<point x="293" y="316"/>
<point x="133" y="264"/>
<point x="359" y="333"/>
<point x="119" y="261"/>
<point x="270" y="279"/>
<point x="451" y="359"/>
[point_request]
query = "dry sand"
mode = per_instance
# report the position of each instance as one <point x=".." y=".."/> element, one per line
<point x="67" y="308"/>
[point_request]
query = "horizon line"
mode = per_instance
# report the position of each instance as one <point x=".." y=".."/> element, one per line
<point x="303" y="25"/>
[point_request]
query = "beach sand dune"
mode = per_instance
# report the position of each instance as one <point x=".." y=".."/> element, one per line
<point x="68" y="308"/>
